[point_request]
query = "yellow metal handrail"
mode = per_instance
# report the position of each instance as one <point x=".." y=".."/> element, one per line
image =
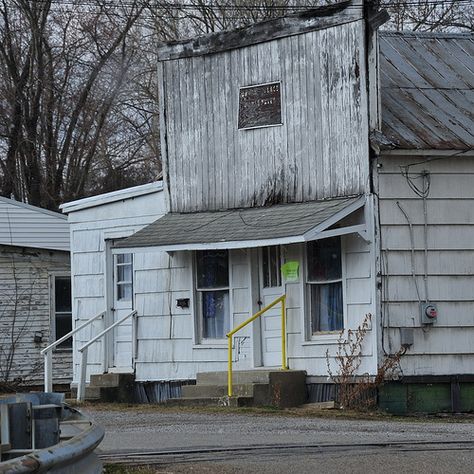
<point x="284" y="365"/>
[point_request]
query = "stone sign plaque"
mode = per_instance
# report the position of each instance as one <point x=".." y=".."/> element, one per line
<point x="260" y="106"/>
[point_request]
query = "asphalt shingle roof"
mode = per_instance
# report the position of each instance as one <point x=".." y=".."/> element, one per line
<point x="236" y="225"/>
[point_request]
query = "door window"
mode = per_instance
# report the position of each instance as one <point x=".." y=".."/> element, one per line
<point x="271" y="263"/>
<point x="124" y="276"/>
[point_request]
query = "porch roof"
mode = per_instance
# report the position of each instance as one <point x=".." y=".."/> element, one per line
<point x="244" y="228"/>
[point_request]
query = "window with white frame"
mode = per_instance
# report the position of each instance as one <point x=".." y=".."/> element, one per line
<point x="124" y="277"/>
<point x="212" y="291"/>
<point x="271" y="266"/>
<point x="324" y="285"/>
<point x="62" y="309"/>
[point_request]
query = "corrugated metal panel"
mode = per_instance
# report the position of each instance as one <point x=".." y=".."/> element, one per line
<point x="23" y="225"/>
<point x="428" y="90"/>
<point x="320" y="150"/>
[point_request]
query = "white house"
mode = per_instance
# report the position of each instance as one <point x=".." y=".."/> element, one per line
<point x="35" y="293"/>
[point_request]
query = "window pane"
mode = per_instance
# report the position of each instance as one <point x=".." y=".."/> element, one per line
<point x="212" y="269"/>
<point x="215" y="314"/>
<point x="326" y="307"/>
<point x="324" y="259"/>
<point x="275" y="277"/>
<point x="64" y="326"/>
<point x="124" y="258"/>
<point x="265" y="267"/>
<point x="62" y="294"/>
<point x="271" y="266"/>
<point x="124" y="273"/>
<point x="124" y="291"/>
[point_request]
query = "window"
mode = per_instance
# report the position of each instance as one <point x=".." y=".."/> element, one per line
<point x="124" y="275"/>
<point x="324" y="285"/>
<point x="271" y="263"/>
<point x="212" y="288"/>
<point x="62" y="310"/>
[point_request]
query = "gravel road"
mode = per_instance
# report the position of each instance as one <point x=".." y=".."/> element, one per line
<point x="135" y="430"/>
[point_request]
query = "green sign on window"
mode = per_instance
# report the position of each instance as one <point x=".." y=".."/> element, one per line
<point x="290" y="271"/>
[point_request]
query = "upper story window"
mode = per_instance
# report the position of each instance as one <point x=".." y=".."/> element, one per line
<point x="324" y="285"/>
<point x="62" y="310"/>
<point x="124" y="276"/>
<point x="212" y="290"/>
<point x="271" y="266"/>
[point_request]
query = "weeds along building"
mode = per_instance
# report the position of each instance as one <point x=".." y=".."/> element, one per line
<point x="308" y="156"/>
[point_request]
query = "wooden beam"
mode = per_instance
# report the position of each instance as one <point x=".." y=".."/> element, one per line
<point x="310" y="20"/>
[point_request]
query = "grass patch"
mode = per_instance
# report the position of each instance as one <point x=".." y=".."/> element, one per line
<point x="121" y="469"/>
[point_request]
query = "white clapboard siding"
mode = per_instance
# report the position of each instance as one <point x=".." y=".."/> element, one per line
<point x="446" y="347"/>
<point x="26" y="310"/>
<point x="23" y="225"/>
<point x="92" y="221"/>
<point x="359" y="300"/>
<point x="320" y="150"/>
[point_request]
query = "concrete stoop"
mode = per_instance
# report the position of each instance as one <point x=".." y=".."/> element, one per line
<point x="109" y="388"/>
<point x="263" y="387"/>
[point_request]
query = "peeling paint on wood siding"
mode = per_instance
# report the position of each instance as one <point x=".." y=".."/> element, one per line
<point x="26" y="309"/>
<point x="320" y="150"/>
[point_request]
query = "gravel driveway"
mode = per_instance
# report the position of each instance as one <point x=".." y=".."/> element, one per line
<point x="136" y="429"/>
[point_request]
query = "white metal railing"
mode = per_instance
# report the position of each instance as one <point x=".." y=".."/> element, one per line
<point x="47" y="352"/>
<point x="81" y="388"/>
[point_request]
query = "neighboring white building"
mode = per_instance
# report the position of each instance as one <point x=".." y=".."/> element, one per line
<point x="100" y="281"/>
<point x="35" y="293"/>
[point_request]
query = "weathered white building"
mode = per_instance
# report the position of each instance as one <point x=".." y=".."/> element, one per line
<point x="300" y="160"/>
<point x="35" y="293"/>
<point x="101" y="282"/>
<point x="423" y="177"/>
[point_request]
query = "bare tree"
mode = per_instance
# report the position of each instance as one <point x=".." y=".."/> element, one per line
<point x="61" y="74"/>
<point x="429" y="15"/>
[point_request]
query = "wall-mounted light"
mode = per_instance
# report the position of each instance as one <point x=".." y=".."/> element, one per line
<point x="38" y="337"/>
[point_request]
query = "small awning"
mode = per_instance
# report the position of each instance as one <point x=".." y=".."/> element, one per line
<point x="245" y="228"/>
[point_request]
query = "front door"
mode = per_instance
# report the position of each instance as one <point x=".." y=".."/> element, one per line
<point x="122" y="305"/>
<point x="270" y="289"/>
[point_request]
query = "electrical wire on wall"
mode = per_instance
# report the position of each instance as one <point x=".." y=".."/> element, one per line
<point x="423" y="192"/>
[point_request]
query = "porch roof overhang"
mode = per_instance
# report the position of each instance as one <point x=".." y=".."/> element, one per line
<point x="247" y="228"/>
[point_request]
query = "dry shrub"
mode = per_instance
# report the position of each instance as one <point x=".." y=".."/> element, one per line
<point x="359" y="391"/>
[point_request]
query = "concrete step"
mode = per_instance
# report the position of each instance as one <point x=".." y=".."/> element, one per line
<point x="92" y="393"/>
<point x="109" y="388"/>
<point x="209" y="402"/>
<point x="110" y="380"/>
<point x="265" y="387"/>
<point x="239" y="390"/>
<point x="238" y="377"/>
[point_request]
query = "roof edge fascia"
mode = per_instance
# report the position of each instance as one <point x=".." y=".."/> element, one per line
<point x="32" y="208"/>
<point x="427" y="152"/>
<point x="107" y="198"/>
<point x="293" y="24"/>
